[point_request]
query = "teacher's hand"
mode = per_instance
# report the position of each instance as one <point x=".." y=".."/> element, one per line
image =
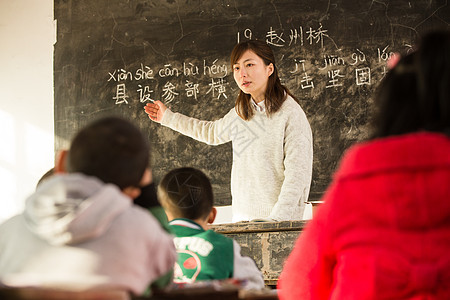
<point x="155" y="110"/>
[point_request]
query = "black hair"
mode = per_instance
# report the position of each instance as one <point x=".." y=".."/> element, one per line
<point x="186" y="193"/>
<point x="111" y="149"/>
<point x="415" y="94"/>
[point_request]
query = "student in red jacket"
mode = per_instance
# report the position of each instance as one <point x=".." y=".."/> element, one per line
<point x="383" y="231"/>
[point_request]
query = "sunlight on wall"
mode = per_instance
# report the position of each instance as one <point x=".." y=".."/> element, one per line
<point x="38" y="159"/>
<point x="24" y="147"/>
<point x="26" y="104"/>
<point x="9" y="188"/>
<point x="7" y="160"/>
<point x="7" y="136"/>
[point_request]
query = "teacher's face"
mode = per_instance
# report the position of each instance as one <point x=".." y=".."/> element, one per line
<point x="252" y="75"/>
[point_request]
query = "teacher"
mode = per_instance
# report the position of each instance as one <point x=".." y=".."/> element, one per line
<point x="270" y="134"/>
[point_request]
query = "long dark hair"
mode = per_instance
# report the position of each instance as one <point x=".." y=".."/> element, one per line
<point x="275" y="94"/>
<point x="415" y="94"/>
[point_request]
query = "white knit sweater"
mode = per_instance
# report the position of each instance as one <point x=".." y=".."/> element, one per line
<point x="272" y="159"/>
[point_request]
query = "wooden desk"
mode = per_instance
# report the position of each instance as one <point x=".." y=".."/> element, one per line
<point x="268" y="243"/>
<point x="43" y="293"/>
<point x="29" y="293"/>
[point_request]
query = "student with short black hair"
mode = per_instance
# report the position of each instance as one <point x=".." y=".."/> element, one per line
<point x="80" y="229"/>
<point x="187" y="197"/>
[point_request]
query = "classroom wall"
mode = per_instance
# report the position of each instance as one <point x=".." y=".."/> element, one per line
<point x="26" y="101"/>
<point x="26" y="105"/>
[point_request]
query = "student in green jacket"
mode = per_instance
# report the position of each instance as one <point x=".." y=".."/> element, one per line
<point x="187" y="198"/>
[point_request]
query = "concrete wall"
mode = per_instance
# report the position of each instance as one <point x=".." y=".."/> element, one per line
<point x="26" y="99"/>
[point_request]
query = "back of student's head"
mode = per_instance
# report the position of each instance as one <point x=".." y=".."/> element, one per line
<point x="186" y="193"/>
<point x="111" y="149"/>
<point x="415" y="94"/>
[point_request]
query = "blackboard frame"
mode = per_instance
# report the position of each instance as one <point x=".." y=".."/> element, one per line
<point x="331" y="55"/>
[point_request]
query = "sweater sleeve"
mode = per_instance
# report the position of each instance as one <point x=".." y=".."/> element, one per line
<point x="244" y="268"/>
<point x="298" y="158"/>
<point x="209" y="132"/>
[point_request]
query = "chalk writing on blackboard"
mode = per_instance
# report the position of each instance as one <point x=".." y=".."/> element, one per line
<point x="192" y="89"/>
<point x="307" y="81"/>
<point x="145" y="93"/>
<point x="334" y="77"/>
<point x="277" y="39"/>
<point x="121" y="94"/>
<point x="363" y="76"/>
<point x="218" y="88"/>
<point x="215" y="70"/>
<point x="358" y="57"/>
<point x="333" y="69"/>
<point x="330" y="54"/>
<point x="332" y="66"/>
<point x="169" y="92"/>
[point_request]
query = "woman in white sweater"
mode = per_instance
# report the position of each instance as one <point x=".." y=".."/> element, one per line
<point x="270" y="135"/>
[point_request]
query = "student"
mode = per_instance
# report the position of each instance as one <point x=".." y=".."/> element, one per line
<point x="383" y="230"/>
<point x="186" y="196"/>
<point x="270" y="135"/>
<point x="149" y="200"/>
<point x="80" y="229"/>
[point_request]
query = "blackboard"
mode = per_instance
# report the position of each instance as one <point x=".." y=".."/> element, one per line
<point x="112" y="56"/>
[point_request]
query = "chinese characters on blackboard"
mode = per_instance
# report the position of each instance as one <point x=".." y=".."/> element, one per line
<point x="140" y="84"/>
<point x="216" y="87"/>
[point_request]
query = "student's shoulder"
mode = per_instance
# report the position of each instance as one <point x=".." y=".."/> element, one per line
<point x="219" y="237"/>
<point x="159" y="214"/>
<point x="179" y="231"/>
<point x="11" y="224"/>
<point x="139" y="217"/>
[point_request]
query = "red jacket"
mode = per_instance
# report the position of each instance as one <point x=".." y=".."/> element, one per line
<point x="383" y="231"/>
